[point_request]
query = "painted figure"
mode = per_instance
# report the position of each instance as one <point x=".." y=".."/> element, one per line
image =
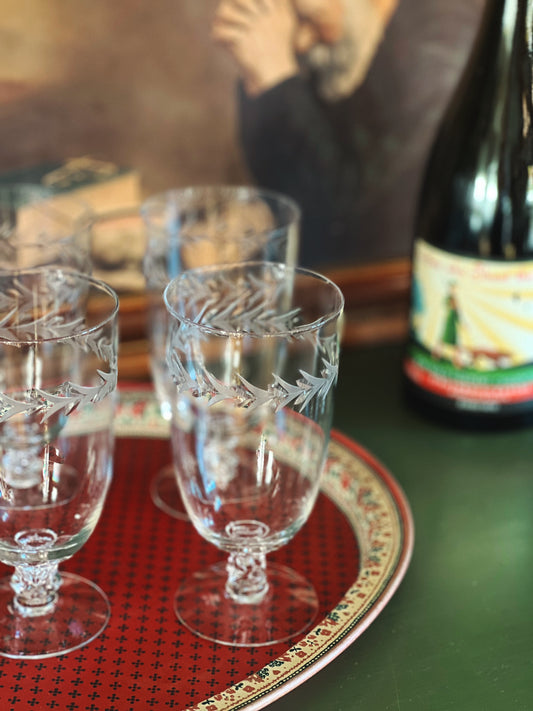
<point x="301" y="63"/>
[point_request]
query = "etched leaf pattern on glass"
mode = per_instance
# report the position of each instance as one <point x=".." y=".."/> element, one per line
<point x="18" y="303"/>
<point x="250" y="312"/>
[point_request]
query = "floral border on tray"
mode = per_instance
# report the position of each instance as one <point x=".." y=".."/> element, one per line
<point x="138" y="414"/>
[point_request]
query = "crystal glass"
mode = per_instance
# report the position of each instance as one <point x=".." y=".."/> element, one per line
<point x="58" y="374"/>
<point x="41" y="227"/>
<point x="253" y="352"/>
<point x="198" y="226"/>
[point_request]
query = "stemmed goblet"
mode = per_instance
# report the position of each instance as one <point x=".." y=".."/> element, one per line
<point x="253" y="351"/>
<point x="197" y="226"/>
<point x="58" y="374"/>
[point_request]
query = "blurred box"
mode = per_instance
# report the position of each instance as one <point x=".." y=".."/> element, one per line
<point x="114" y="195"/>
<point x="102" y="185"/>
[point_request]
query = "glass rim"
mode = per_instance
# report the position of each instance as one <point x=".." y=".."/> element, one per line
<point x="334" y="313"/>
<point x="160" y="200"/>
<point x="102" y="286"/>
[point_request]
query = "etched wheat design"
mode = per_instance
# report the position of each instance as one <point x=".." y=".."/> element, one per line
<point x="18" y="301"/>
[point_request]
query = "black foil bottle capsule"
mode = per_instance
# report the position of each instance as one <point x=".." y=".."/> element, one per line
<point x="470" y="352"/>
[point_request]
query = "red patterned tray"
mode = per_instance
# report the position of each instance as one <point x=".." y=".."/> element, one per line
<point x="355" y="548"/>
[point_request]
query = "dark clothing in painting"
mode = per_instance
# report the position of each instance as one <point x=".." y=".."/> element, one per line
<point x="355" y="164"/>
<point x="299" y="145"/>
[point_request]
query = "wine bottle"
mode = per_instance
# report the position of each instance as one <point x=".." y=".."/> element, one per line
<point x="469" y="355"/>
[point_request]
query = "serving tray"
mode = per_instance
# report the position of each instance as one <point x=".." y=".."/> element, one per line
<point x="355" y="548"/>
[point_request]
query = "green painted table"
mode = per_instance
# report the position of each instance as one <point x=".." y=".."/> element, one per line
<point x="458" y="633"/>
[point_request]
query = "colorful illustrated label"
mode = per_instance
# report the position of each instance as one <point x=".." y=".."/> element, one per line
<point x="472" y="327"/>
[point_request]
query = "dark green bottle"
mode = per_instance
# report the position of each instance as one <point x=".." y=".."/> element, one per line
<point x="470" y="352"/>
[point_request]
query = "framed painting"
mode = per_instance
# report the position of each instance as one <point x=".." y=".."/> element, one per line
<point x="332" y="102"/>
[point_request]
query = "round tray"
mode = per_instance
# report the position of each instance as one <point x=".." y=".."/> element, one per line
<point x="355" y="548"/>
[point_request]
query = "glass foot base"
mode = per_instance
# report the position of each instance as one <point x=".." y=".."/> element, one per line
<point x="165" y="493"/>
<point x="81" y="614"/>
<point x="288" y="609"/>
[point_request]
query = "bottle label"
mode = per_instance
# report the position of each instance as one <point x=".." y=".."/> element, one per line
<point x="472" y="329"/>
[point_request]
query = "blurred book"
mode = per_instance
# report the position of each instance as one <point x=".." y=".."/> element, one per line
<point x="118" y="240"/>
<point x="102" y="185"/>
<point x="113" y="193"/>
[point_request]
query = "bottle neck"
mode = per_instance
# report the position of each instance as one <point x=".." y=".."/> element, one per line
<point x="504" y="44"/>
<point x="510" y="133"/>
<point x="497" y="88"/>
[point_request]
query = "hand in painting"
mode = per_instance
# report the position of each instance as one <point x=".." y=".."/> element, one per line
<point x="260" y="35"/>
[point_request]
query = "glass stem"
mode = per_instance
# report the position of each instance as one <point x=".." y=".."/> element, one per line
<point x="247" y="581"/>
<point x="35" y="588"/>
